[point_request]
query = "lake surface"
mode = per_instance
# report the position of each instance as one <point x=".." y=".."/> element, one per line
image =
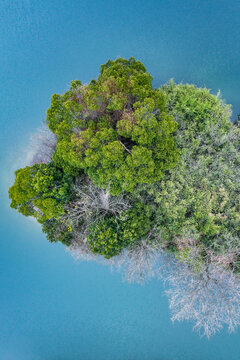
<point x="51" y="307"/>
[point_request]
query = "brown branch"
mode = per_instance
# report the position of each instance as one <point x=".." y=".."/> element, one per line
<point x="124" y="147"/>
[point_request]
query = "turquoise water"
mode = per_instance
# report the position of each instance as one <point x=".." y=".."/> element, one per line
<point x="51" y="307"/>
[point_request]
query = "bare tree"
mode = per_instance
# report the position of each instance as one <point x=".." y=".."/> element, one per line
<point x="140" y="262"/>
<point x="80" y="249"/>
<point x="43" y="145"/>
<point x="203" y="286"/>
<point x="210" y="298"/>
<point x="92" y="203"/>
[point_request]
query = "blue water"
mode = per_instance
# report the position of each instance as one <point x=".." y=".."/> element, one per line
<point x="51" y="307"/>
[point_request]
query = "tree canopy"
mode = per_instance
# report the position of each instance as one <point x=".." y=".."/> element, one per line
<point x="40" y="191"/>
<point x="129" y="172"/>
<point x="116" y="129"/>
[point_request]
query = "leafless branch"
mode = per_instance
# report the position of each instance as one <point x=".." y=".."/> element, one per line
<point x="43" y="145"/>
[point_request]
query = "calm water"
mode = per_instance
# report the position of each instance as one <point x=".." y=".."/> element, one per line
<point x="52" y="308"/>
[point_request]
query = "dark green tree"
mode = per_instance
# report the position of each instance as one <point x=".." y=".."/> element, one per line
<point x="107" y="237"/>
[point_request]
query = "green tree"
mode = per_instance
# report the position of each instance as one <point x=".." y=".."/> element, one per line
<point x="200" y="196"/>
<point x="116" y="129"/>
<point x="108" y="236"/>
<point x="40" y="191"/>
<point x="196" y="111"/>
<point x="57" y="230"/>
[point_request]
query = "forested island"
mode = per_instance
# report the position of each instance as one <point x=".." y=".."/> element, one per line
<point x="145" y="179"/>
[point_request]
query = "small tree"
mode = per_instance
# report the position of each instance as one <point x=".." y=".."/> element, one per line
<point x="40" y="191"/>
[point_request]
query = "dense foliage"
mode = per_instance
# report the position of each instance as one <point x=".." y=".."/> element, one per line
<point x="113" y="133"/>
<point x="110" y="236"/>
<point x="40" y="191"/>
<point x="116" y="129"/>
<point x="130" y="172"/>
<point x="200" y="195"/>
